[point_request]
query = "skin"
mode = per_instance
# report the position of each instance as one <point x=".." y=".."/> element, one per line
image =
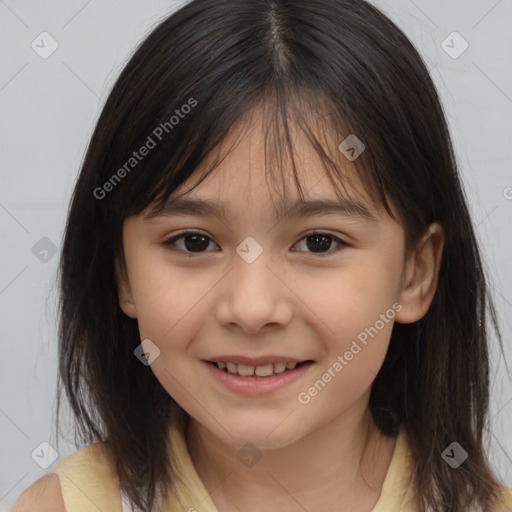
<point x="292" y="302"/>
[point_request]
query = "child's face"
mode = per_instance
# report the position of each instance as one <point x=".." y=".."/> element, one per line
<point x="289" y="301"/>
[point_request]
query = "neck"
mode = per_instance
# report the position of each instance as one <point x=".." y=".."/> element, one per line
<point x="343" y="462"/>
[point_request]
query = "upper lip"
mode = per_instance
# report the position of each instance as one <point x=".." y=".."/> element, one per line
<point x="256" y="361"/>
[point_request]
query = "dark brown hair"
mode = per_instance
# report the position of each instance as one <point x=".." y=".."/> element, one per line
<point x="340" y="65"/>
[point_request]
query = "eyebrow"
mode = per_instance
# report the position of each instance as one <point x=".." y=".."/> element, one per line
<point x="207" y="208"/>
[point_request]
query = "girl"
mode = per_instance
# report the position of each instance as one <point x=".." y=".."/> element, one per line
<point x="271" y="292"/>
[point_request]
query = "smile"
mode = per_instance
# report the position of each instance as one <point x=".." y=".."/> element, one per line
<point x="245" y="370"/>
<point x="245" y="379"/>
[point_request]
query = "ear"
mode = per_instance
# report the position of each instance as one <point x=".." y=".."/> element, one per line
<point x="421" y="275"/>
<point x="124" y="291"/>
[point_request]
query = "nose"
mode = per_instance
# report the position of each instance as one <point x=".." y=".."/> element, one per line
<point x="254" y="297"/>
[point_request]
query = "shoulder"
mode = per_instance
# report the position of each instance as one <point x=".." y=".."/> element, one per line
<point x="94" y="457"/>
<point x="505" y="503"/>
<point x="79" y="481"/>
<point x="44" y="495"/>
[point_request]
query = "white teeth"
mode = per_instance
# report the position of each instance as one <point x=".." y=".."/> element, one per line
<point x="279" y="367"/>
<point x="264" y="371"/>
<point x="246" y="370"/>
<point x="231" y="368"/>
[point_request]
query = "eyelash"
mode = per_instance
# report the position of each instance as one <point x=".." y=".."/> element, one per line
<point x="171" y="241"/>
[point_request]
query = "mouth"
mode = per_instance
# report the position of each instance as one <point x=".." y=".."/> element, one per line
<point x="258" y="376"/>
<point x="266" y="370"/>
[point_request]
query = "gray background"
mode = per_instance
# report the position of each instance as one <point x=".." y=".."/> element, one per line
<point x="48" y="108"/>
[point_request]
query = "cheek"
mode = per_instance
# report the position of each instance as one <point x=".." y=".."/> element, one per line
<point x="171" y="309"/>
<point x="359" y="315"/>
<point x="356" y="311"/>
<point x="169" y="302"/>
<point x="354" y="297"/>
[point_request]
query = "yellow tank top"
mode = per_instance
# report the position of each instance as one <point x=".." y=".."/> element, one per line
<point x="89" y="482"/>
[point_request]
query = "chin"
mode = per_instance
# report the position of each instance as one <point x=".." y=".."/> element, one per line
<point x="265" y="436"/>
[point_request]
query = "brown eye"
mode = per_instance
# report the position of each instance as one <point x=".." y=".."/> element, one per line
<point x="194" y="242"/>
<point x="320" y="243"/>
<point x="190" y="241"/>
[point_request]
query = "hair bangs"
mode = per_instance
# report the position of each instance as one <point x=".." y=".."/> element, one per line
<point x="289" y="119"/>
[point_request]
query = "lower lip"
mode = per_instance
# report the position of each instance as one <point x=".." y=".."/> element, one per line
<point x="257" y="385"/>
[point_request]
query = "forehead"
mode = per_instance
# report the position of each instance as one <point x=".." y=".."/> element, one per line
<point x="252" y="168"/>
